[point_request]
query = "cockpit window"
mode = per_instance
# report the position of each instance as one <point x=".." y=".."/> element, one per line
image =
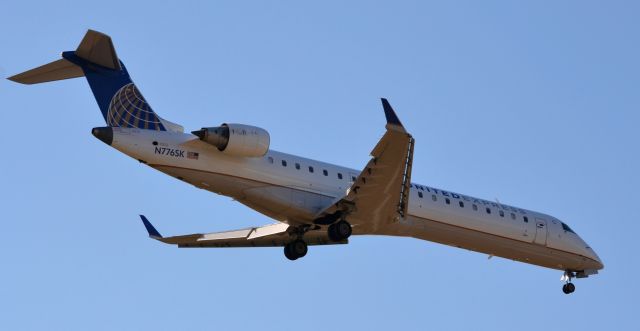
<point x="567" y="228"/>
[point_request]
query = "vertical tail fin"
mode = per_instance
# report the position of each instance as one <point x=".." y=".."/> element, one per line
<point x="120" y="101"/>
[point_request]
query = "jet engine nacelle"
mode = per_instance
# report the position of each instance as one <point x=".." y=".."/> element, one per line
<point x="236" y="139"/>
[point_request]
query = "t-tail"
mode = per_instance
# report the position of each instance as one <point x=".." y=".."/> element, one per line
<point x="120" y="101"/>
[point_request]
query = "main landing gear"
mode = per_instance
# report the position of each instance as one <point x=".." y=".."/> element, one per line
<point x="568" y="287"/>
<point x="339" y="231"/>
<point x="296" y="249"/>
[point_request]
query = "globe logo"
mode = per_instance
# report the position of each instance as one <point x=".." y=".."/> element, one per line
<point x="129" y="109"/>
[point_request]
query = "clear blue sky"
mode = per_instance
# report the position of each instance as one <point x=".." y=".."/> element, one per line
<point x="534" y="103"/>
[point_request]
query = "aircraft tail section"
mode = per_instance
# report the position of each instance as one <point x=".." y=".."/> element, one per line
<point x="120" y="101"/>
<point x="56" y="70"/>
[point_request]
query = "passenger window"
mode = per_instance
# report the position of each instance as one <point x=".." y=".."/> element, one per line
<point x="447" y="201"/>
<point x="420" y="194"/>
<point x="434" y="198"/>
<point x="353" y="178"/>
<point x="339" y="176"/>
<point x="475" y="207"/>
<point x="526" y="219"/>
<point x="325" y="172"/>
<point x="270" y="159"/>
<point x="501" y="213"/>
<point x="297" y="165"/>
<point x="488" y="210"/>
<point x="513" y="216"/>
<point x="461" y="204"/>
<point x="284" y="163"/>
<point x="310" y="169"/>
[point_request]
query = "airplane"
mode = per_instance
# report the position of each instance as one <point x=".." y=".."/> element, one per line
<point x="312" y="202"/>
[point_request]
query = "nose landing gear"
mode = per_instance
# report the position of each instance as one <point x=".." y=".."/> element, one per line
<point x="568" y="287"/>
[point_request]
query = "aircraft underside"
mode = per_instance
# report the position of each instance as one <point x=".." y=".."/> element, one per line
<point x="275" y="202"/>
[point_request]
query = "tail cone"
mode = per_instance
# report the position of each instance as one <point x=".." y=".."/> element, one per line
<point x="104" y="133"/>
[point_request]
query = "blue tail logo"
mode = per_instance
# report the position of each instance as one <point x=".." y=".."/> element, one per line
<point x="120" y="101"/>
<point x="129" y="109"/>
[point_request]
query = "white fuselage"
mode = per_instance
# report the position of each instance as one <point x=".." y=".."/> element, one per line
<point x="293" y="190"/>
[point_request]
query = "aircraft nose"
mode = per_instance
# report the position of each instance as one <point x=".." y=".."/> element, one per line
<point x="594" y="260"/>
<point x="598" y="264"/>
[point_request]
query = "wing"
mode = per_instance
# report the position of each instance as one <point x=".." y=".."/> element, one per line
<point x="380" y="193"/>
<point x="272" y="235"/>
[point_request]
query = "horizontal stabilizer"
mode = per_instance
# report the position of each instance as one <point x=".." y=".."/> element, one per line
<point x="96" y="47"/>
<point x="56" y="70"/>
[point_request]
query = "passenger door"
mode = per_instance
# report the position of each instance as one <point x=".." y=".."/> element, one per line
<point x="541" y="232"/>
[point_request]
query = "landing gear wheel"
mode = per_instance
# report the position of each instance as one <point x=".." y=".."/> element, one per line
<point x="295" y="249"/>
<point x="568" y="288"/>
<point x="299" y="248"/>
<point x="340" y="231"/>
<point x="288" y="253"/>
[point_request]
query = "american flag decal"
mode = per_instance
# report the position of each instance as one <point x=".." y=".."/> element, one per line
<point x="192" y="155"/>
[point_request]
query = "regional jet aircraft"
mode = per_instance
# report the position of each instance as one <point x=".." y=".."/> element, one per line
<point x="313" y="202"/>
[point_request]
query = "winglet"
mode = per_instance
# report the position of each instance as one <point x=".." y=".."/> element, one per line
<point x="153" y="233"/>
<point x="392" y="118"/>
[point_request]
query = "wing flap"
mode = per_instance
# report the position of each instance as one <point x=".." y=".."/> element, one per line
<point x="268" y="230"/>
